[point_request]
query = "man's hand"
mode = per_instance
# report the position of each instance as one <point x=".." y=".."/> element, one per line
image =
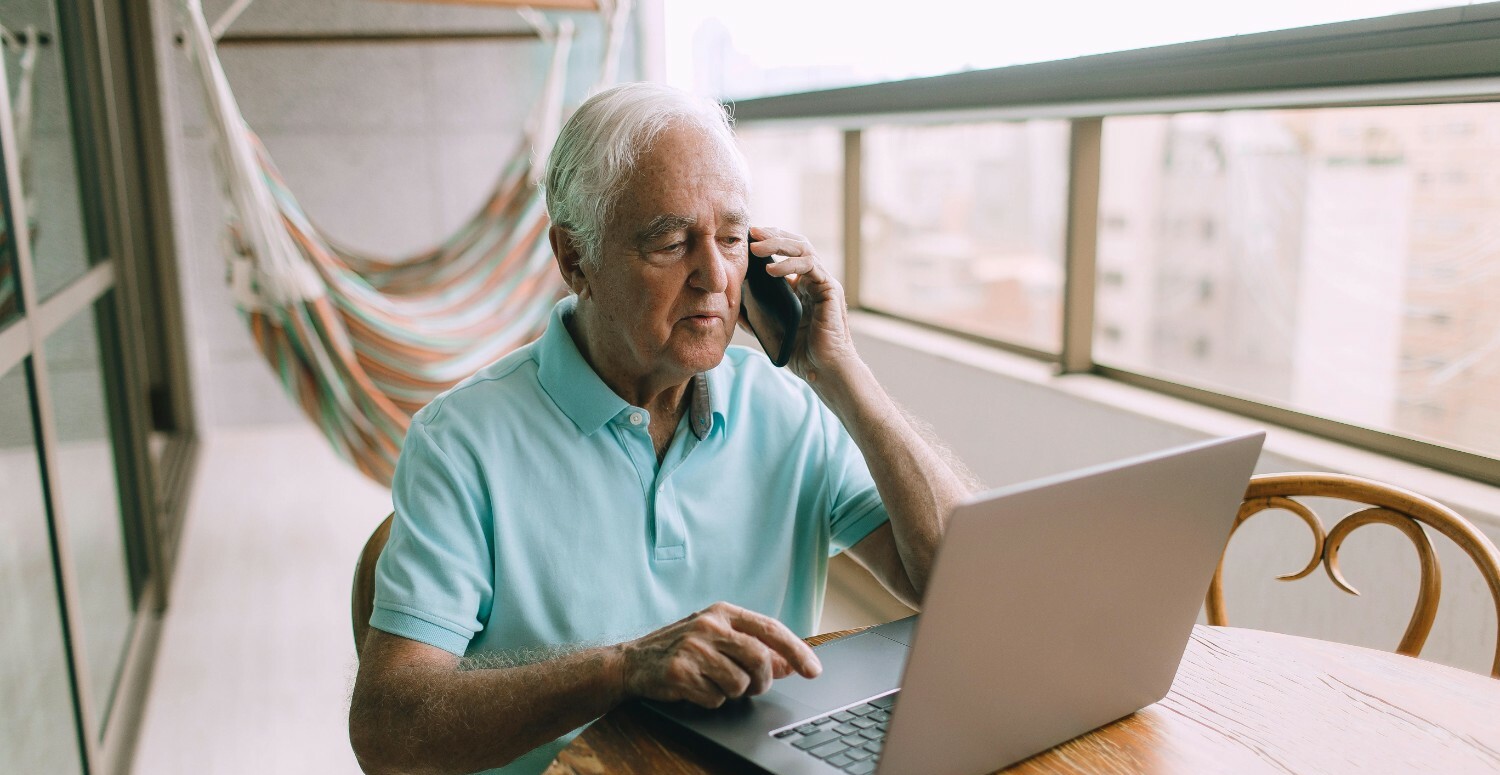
<point x="415" y="709"/>
<point x="919" y="481"/>
<point x="720" y="653"/>
<point x="823" y="340"/>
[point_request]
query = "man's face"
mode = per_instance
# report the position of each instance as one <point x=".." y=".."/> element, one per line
<point x="667" y="289"/>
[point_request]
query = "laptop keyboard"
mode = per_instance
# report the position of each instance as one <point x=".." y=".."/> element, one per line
<point x="849" y="739"/>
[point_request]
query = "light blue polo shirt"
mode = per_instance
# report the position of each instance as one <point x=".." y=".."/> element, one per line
<point x="531" y="512"/>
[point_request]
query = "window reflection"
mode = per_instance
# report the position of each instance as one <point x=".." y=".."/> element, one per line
<point x="797" y="184"/>
<point x="44" y="135"/>
<point x="964" y="226"/>
<point x="90" y="500"/>
<point x="37" y="732"/>
<point x="10" y="293"/>
<point x="1342" y="262"/>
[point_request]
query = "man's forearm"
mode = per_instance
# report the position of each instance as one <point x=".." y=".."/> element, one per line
<point x="918" y="485"/>
<point x="430" y="717"/>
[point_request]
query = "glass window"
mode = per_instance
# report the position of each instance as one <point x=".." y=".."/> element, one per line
<point x="797" y="184"/>
<point x="37" y="731"/>
<point x="1342" y="262"/>
<point x="10" y="284"/>
<point x="86" y="482"/>
<point x="964" y="226"/>
<point x="44" y="134"/>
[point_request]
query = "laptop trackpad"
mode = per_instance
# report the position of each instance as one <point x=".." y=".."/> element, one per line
<point x="854" y="668"/>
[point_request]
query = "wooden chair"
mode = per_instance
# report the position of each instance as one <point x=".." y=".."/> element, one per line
<point x="362" y="596"/>
<point x="1406" y="511"/>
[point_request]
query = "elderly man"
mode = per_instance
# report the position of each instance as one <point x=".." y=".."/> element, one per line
<point x="630" y="473"/>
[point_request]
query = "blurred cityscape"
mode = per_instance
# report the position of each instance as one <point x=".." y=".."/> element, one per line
<point x="797" y="184"/>
<point x="1342" y="262"/>
<point x="964" y="224"/>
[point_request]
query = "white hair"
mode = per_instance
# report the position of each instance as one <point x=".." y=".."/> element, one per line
<point x="598" y="148"/>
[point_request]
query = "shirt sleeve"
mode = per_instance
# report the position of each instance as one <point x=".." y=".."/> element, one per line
<point x="434" y="581"/>
<point x="856" y="508"/>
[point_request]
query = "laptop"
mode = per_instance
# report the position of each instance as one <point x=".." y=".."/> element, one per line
<point x="1055" y="607"/>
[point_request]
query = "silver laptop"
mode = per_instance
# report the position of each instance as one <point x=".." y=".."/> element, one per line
<point x="1056" y="607"/>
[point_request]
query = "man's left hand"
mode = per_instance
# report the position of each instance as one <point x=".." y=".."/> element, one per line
<point x="823" y="342"/>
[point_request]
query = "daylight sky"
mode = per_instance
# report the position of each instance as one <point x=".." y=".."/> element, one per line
<point x="882" y="39"/>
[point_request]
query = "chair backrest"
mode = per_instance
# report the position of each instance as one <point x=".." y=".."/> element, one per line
<point x="362" y="596"/>
<point x="1404" y="510"/>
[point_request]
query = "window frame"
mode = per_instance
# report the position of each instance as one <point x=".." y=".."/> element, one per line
<point x="1449" y="55"/>
<point x="116" y="155"/>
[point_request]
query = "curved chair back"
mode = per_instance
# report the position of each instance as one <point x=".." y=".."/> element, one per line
<point x="362" y="596"/>
<point x="1404" y="510"/>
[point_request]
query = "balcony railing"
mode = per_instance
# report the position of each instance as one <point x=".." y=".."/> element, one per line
<point x="1299" y="226"/>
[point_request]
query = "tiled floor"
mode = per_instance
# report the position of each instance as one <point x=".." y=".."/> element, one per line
<point x="256" y="660"/>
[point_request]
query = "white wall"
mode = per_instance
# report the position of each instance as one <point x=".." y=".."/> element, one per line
<point x="388" y="147"/>
<point x="1011" y="420"/>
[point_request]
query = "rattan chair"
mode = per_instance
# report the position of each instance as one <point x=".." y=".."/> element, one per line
<point x="362" y="596"/>
<point x="1387" y="505"/>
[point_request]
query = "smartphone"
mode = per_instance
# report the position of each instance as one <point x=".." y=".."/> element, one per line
<point x="770" y="308"/>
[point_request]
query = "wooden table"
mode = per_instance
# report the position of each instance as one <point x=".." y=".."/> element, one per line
<point x="1243" y="701"/>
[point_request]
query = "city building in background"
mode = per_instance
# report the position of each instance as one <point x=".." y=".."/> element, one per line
<point x="1340" y="262"/>
<point x="796" y="183"/>
<point x="964" y="225"/>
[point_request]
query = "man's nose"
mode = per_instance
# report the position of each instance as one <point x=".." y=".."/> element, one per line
<point x="713" y="267"/>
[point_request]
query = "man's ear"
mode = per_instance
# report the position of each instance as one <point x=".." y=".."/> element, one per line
<point x="569" y="260"/>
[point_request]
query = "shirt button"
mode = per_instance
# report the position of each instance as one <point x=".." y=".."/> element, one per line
<point x="636" y="418"/>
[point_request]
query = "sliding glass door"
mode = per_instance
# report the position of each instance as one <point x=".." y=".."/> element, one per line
<point x="82" y="554"/>
<point x="38" y="729"/>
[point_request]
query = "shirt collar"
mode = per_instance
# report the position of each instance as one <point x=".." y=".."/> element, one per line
<point x="569" y="379"/>
<point x="711" y="401"/>
<point x="589" y="403"/>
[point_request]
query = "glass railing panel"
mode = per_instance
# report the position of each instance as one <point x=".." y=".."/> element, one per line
<point x="796" y="183"/>
<point x="964" y="227"/>
<point x="1341" y="262"/>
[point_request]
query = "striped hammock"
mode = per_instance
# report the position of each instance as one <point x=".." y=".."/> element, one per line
<point x="363" y="342"/>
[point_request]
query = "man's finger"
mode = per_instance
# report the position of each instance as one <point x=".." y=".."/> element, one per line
<point x="755" y="658"/>
<point x="779" y="246"/>
<point x="766" y="233"/>
<point x="800" y="267"/>
<point x="722" y="672"/>
<point x="781" y="640"/>
<point x="702" y="692"/>
<point x="767" y="241"/>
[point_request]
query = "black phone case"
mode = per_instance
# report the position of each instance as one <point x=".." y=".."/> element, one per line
<point x="777" y="299"/>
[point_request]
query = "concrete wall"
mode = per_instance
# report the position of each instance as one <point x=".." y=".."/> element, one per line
<point x="388" y="147"/>
<point x="1011" y="420"/>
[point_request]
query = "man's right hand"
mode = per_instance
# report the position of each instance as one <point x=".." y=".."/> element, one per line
<point x="720" y="653"/>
